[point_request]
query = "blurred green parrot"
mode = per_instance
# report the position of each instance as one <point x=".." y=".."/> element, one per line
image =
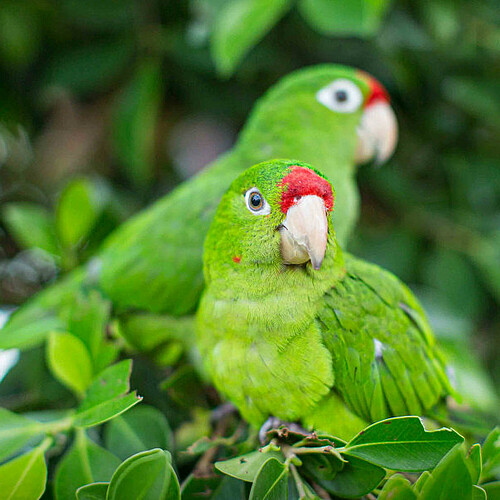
<point x="291" y="327"/>
<point x="332" y="116"/>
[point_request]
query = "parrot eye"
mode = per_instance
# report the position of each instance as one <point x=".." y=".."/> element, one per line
<point x="256" y="202"/>
<point x="341" y="95"/>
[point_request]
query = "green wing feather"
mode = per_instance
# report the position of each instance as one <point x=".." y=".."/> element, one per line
<point x="384" y="354"/>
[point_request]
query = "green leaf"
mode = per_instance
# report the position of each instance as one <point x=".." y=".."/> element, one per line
<point x="107" y="396"/>
<point x="195" y="487"/>
<point x="147" y="475"/>
<point x="94" y="491"/>
<point x="450" y="479"/>
<point x="15" y="432"/>
<point x="88" y="318"/>
<point x="491" y="454"/>
<point x="84" y="463"/>
<point x="419" y="484"/>
<point x="69" y="361"/>
<point x="77" y="211"/>
<point x="24" y="477"/>
<point x="140" y="429"/>
<point x="105" y="411"/>
<point x="402" y="443"/>
<point x="240" y="25"/>
<point x="271" y="481"/>
<point x="31" y="226"/>
<point x="135" y="118"/>
<point x="397" y="487"/>
<point x="321" y="465"/>
<point x="357" y="478"/>
<point x="474" y="462"/>
<point x="25" y="336"/>
<point x="229" y="489"/>
<point x="247" y="466"/>
<point x="492" y="490"/>
<point x="344" y="18"/>
<point x="478" y="493"/>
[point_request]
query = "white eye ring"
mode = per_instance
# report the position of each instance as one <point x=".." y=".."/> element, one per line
<point x="341" y="95"/>
<point x="257" y="209"/>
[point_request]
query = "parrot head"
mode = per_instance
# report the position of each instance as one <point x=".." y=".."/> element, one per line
<point x="275" y="214"/>
<point x="346" y="107"/>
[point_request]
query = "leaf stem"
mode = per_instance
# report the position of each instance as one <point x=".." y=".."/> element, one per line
<point x="320" y="449"/>
<point x="298" y="482"/>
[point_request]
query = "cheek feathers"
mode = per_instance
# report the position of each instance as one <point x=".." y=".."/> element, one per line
<point x="302" y="181"/>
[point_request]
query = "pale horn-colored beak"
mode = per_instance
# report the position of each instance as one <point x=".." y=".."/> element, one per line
<point x="304" y="232"/>
<point x="377" y="134"/>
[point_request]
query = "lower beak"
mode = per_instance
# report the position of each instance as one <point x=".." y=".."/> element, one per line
<point x="304" y="232"/>
<point x="377" y="134"/>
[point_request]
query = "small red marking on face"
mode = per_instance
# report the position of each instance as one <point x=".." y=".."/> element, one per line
<point x="303" y="181"/>
<point x="236" y="259"/>
<point x="378" y="92"/>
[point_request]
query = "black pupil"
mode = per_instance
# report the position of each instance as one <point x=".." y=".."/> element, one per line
<point x="341" y="95"/>
<point x="256" y="200"/>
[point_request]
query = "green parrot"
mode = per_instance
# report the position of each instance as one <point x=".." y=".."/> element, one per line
<point x="330" y="115"/>
<point x="291" y="327"/>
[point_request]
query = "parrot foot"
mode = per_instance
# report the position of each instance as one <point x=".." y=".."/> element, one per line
<point x="275" y="423"/>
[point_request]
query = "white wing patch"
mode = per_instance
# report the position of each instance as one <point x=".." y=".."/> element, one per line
<point x="379" y="347"/>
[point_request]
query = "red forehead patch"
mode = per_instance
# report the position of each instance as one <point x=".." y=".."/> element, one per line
<point x="378" y="92"/>
<point x="302" y="181"/>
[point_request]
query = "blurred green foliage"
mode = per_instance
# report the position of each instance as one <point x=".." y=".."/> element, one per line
<point x="108" y="104"/>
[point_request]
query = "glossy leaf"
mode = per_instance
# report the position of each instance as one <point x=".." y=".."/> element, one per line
<point x="479" y="493"/>
<point x="69" y="361"/>
<point x="271" y="481"/>
<point x="357" y="478"/>
<point x="402" y="443"/>
<point x="321" y="465"/>
<point x="491" y="453"/>
<point x="140" y="429"/>
<point x="147" y="475"/>
<point x="397" y="487"/>
<point x="93" y="491"/>
<point x="32" y="226"/>
<point x="492" y="490"/>
<point x="450" y="479"/>
<point x="15" y="432"/>
<point x="84" y="463"/>
<point x="247" y="466"/>
<point x="241" y="24"/>
<point x="24" y="477"/>
<point x="107" y="396"/>
<point x="474" y="462"/>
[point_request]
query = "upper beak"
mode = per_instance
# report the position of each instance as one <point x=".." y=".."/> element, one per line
<point x="377" y="133"/>
<point x="304" y="232"/>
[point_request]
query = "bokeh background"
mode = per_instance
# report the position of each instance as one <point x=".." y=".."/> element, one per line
<point x="105" y="105"/>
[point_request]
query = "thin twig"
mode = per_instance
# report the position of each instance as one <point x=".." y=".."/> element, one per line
<point x="204" y="466"/>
